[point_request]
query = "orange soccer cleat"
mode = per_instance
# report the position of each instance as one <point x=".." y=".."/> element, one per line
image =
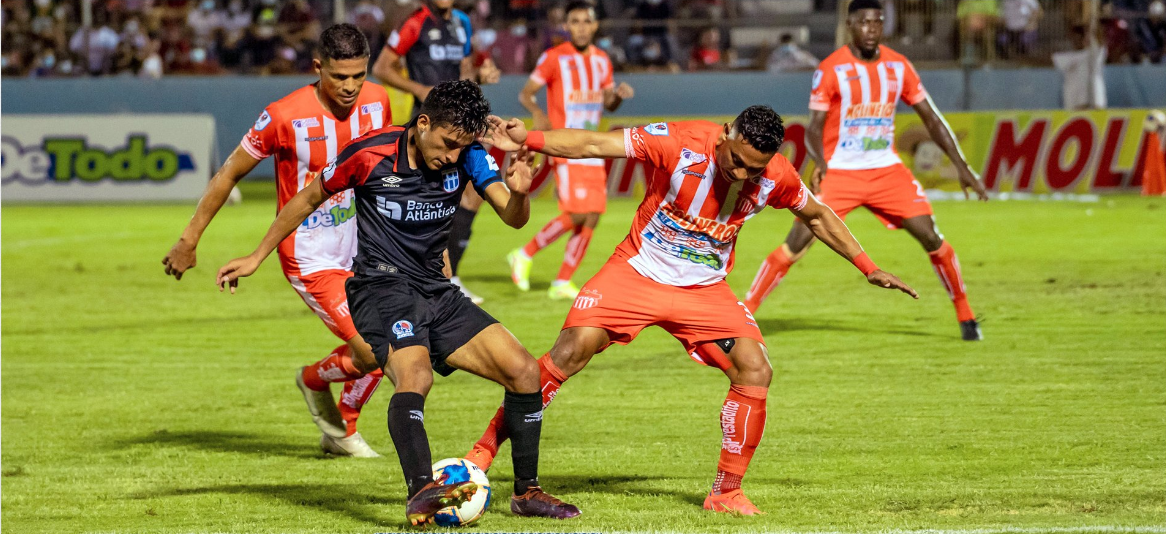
<point x="733" y="502"/>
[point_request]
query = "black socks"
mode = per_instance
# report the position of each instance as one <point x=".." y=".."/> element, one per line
<point x="459" y="236"/>
<point x="523" y="417"/>
<point x="407" y="427"/>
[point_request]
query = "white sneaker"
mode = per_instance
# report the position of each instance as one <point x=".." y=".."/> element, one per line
<point x="353" y="446"/>
<point x="457" y="281"/>
<point x="323" y="408"/>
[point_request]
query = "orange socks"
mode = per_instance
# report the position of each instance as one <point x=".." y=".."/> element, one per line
<point x="947" y="266"/>
<point x="552" y="231"/>
<point x="770" y="273"/>
<point x="356" y="394"/>
<point x="552" y="379"/>
<point x="576" y="248"/>
<point x="337" y="367"/>
<point x="742" y="425"/>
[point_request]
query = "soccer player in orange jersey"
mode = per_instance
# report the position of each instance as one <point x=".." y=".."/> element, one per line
<point x="304" y="131"/>
<point x="579" y="83"/>
<point x="851" y="140"/>
<point x="704" y="180"/>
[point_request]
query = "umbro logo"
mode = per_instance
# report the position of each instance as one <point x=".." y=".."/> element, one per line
<point x="392" y="181"/>
<point x="533" y="417"/>
<point x="417" y="415"/>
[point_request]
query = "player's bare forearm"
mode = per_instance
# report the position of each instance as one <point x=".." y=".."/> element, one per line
<point x="814" y="147"/>
<point x="238" y="165"/>
<point x="510" y="200"/>
<point x="528" y="99"/>
<point x="575" y="144"/>
<point x="291" y="216"/>
<point x="387" y="70"/>
<point x="940" y="131"/>
<point x="516" y="212"/>
<point x="829" y="229"/>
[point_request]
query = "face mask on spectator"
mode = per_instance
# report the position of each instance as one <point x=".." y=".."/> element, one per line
<point x="652" y="52"/>
<point x="1158" y="9"/>
<point x="604" y="43"/>
<point x="43" y="3"/>
<point x="49" y="60"/>
<point x="198" y="55"/>
<point x="518" y="30"/>
<point x="485" y="38"/>
<point x="208" y="5"/>
<point x="67" y="66"/>
<point x="131" y="26"/>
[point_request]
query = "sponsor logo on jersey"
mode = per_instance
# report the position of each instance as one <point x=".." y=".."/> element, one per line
<point x="388" y="208"/>
<point x="310" y="122"/>
<point x="656" y="128"/>
<point x="451" y="52"/>
<point x="692" y="156"/>
<point x="61" y="159"/>
<point x="391" y="181"/>
<point x="334" y="216"/>
<point x="450" y="180"/>
<point x="427" y="211"/>
<point x="317" y="138"/>
<point x="262" y="122"/>
<point x="866" y="144"/>
<point x="403" y="329"/>
<point x="491" y="162"/>
<point x="369" y="109"/>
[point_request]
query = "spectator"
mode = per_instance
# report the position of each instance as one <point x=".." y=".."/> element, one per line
<point x="977" y="23"/>
<point x="790" y="57"/>
<point x="1116" y="35"/>
<point x="619" y="58"/>
<point x="44" y="65"/>
<point x="707" y="54"/>
<point x="205" y="23"/>
<point x="1151" y="32"/>
<point x="262" y="41"/>
<point x="1081" y="69"/>
<point x="650" y="54"/>
<point x="152" y="64"/>
<point x="368" y="17"/>
<point x="96" y="45"/>
<point x="899" y="11"/>
<point x="236" y="21"/>
<point x="513" y="49"/>
<point x="1021" y="18"/>
<point x="299" y="30"/>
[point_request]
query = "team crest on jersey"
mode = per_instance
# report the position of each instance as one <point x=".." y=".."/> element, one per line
<point x="329" y="170"/>
<point x="450" y="180"/>
<point x="656" y="128"/>
<point x="434" y="34"/>
<point x="369" y="109"/>
<point x="894" y="64"/>
<point x="403" y="329"/>
<point x="262" y="122"/>
<point x="817" y="80"/>
<point x="309" y="122"/>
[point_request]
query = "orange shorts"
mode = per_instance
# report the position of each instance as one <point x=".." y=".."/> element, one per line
<point x="891" y="193"/>
<point x="323" y="292"/>
<point x="622" y="301"/>
<point x="582" y="187"/>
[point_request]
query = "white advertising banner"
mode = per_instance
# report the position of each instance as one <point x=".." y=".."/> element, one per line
<point x="83" y="158"/>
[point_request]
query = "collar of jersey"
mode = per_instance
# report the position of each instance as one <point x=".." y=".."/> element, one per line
<point x="403" y="152"/>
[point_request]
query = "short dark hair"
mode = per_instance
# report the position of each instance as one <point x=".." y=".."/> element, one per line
<point x="856" y="5"/>
<point x="761" y="127"/>
<point x="460" y="105"/>
<point x="575" y="5"/>
<point x="342" y="41"/>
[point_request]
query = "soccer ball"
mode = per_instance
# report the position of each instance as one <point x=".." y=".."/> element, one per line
<point x="454" y="470"/>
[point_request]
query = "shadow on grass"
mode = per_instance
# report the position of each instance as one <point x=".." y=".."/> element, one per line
<point x="353" y="501"/>
<point x="772" y="326"/>
<point x="232" y="442"/>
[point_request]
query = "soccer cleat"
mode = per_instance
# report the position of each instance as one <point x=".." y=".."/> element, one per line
<point x="970" y="330"/>
<point x="563" y="291"/>
<point x="353" y="446"/>
<point x="519" y="268"/>
<point x="732" y="502"/>
<point x="323" y="409"/>
<point x="457" y="281"/>
<point x="538" y="503"/>
<point x="433" y="497"/>
<point x="481" y="457"/>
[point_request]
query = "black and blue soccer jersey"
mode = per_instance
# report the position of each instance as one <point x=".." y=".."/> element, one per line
<point x="433" y="47"/>
<point x="404" y="214"/>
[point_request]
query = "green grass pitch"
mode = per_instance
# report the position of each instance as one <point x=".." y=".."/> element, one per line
<point x="136" y="404"/>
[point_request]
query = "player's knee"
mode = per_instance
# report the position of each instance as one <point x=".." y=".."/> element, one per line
<point x="752" y="367"/>
<point x="572" y="351"/>
<point x="520" y="374"/>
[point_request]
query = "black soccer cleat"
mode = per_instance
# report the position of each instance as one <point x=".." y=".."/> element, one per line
<point x="538" y="503"/>
<point x="433" y="497"/>
<point x="970" y="330"/>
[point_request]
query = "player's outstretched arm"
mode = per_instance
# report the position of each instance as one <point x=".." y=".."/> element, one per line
<point x="182" y="255"/>
<point x="941" y="133"/>
<point x="815" y="148"/>
<point x="292" y="215"/>
<point x="388" y="70"/>
<point x="563" y="143"/>
<point x="828" y="228"/>
<point x="511" y="201"/>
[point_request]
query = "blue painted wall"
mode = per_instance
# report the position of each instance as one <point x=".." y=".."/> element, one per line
<point x="236" y="101"/>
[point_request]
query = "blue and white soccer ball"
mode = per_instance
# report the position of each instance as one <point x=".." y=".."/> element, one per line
<point x="455" y="470"/>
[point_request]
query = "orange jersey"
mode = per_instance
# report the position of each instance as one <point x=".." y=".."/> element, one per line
<point x="859" y="99"/>
<point x="304" y="136"/>
<point x="575" y="85"/>
<point x="685" y="229"/>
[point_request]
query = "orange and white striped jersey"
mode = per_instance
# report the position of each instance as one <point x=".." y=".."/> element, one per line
<point x="575" y="85"/>
<point x="859" y="99"/>
<point x="686" y="227"/>
<point x="304" y="136"/>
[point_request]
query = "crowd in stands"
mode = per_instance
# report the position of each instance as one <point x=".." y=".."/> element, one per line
<point x="152" y="38"/>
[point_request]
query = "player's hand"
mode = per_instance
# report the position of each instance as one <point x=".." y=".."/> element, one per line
<point x="624" y="91"/>
<point x="180" y="258"/>
<point x="969" y="178"/>
<point x="541" y="121"/>
<point x="887" y="280"/>
<point x="518" y="173"/>
<point x="507" y="136"/>
<point x="488" y="73"/>
<point x="235" y="269"/>
<point x="816" y="179"/>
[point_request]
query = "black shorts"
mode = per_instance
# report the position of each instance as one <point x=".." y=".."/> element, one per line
<point x="400" y="311"/>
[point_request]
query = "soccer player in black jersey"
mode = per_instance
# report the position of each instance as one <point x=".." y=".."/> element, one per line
<point x="407" y="181"/>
